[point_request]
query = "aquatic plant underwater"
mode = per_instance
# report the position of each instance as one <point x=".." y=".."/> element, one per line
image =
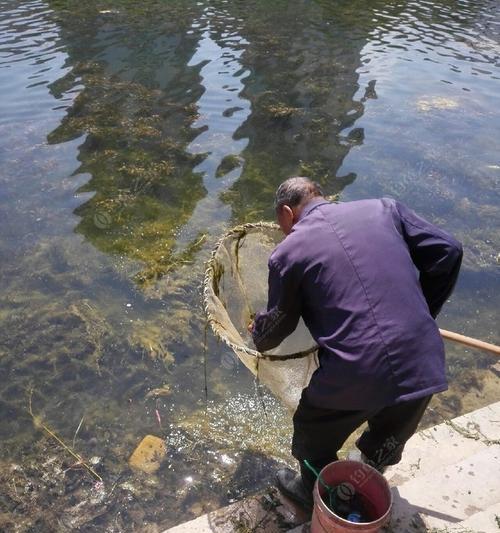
<point x="133" y="136"/>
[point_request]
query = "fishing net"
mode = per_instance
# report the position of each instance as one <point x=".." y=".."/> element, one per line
<point x="235" y="289"/>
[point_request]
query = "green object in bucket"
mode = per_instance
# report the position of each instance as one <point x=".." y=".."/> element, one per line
<point x="330" y="490"/>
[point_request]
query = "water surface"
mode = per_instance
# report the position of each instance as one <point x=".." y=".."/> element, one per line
<point x="132" y="135"/>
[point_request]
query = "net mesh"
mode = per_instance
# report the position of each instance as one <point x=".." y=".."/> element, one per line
<point x="235" y="289"/>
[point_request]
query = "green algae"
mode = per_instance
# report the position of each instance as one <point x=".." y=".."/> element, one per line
<point x="301" y="103"/>
<point x="140" y="170"/>
<point x="166" y="264"/>
<point x="78" y="360"/>
<point x="228" y="164"/>
<point x="148" y="339"/>
<point x="96" y="327"/>
<point x="272" y="109"/>
<point x="107" y="324"/>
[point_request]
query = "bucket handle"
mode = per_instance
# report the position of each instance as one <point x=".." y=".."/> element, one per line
<point x="330" y="490"/>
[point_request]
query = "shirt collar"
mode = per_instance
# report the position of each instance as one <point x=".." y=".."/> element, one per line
<point x="316" y="202"/>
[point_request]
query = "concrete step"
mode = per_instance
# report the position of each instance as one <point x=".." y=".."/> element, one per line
<point x="447" y="443"/>
<point x="449" y="495"/>
<point x="487" y="521"/>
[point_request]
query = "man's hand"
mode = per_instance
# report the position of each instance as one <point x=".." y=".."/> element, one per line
<point x="250" y="327"/>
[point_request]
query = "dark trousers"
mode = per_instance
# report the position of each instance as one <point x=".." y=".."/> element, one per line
<point x="320" y="433"/>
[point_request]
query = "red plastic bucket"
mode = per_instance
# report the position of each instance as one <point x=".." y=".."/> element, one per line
<point x="368" y="484"/>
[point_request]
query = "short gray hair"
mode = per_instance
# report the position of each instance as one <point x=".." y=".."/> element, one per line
<point x="296" y="190"/>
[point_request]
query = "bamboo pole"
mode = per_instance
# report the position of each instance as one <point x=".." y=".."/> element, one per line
<point x="469" y="341"/>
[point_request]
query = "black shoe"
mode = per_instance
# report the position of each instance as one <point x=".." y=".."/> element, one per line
<point x="290" y="485"/>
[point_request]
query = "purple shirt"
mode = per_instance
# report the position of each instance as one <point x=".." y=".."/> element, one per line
<point x="368" y="278"/>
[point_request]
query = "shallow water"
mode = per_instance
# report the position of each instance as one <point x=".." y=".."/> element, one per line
<point x="132" y="135"/>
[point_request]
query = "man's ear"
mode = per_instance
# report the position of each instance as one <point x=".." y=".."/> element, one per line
<point x="285" y="219"/>
<point x="289" y="219"/>
<point x="287" y="213"/>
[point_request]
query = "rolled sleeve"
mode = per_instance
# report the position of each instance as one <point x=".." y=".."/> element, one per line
<point x="271" y="327"/>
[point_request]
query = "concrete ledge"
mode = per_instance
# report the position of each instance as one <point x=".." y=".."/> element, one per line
<point x="450" y="495"/>
<point x="484" y="522"/>
<point x="445" y="444"/>
<point x="267" y="512"/>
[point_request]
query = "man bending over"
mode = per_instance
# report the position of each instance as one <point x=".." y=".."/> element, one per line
<point x="368" y="277"/>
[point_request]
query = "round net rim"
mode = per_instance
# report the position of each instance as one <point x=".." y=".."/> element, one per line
<point x="208" y="292"/>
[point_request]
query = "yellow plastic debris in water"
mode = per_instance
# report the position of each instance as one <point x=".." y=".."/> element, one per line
<point x="149" y="455"/>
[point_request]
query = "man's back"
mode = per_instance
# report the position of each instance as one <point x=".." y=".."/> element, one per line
<point x="350" y="270"/>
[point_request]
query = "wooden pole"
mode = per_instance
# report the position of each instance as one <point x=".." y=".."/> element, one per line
<point x="469" y="341"/>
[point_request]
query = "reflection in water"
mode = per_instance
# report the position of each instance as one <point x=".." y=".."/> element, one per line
<point x="166" y="123"/>
<point x="221" y="111"/>
<point x="428" y="59"/>
<point x="137" y="130"/>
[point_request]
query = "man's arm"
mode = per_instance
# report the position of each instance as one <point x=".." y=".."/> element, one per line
<point x="436" y="255"/>
<point x="271" y="327"/>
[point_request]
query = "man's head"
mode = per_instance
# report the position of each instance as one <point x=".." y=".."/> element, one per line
<point x="291" y="197"/>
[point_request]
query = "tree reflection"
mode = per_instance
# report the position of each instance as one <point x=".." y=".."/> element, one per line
<point x="136" y="109"/>
<point x="139" y="111"/>
<point x="304" y="60"/>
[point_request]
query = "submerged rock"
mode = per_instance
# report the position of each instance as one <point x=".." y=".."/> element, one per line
<point x="436" y="102"/>
<point x="149" y="455"/>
